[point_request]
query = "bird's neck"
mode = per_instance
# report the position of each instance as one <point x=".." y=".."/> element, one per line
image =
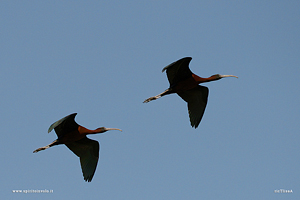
<point x="85" y="131"/>
<point x="199" y="79"/>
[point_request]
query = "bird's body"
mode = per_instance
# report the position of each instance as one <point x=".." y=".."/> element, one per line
<point x="186" y="85"/>
<point x="74" y="137"/>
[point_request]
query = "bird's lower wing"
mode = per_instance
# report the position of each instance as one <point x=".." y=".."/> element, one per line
<point x="196" y="99"/>
<point x="88" y="152"/>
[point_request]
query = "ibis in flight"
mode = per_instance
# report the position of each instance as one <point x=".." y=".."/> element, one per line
<point x="186" y="84"/>
<point x="74" y="137"/>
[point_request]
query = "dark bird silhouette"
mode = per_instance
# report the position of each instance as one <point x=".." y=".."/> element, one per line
<point x="74" y="137"/>
<point x="186" y="85"/>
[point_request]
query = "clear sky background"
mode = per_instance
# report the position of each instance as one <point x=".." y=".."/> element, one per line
<point x="102" y="59"/>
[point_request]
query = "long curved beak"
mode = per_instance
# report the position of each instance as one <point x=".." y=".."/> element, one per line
<point x="223" y="76"/>
<point x="109" y="129"/>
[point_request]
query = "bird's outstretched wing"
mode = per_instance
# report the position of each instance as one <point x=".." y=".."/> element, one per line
<point x="88" y="152"/>
<point x="64" y="125"/>
<point x="196" y="99"/>
<point x="178" y="70"/>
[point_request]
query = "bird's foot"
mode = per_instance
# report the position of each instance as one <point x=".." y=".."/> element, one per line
<point x="40" y="149"/>
<point x="151" y="99"/>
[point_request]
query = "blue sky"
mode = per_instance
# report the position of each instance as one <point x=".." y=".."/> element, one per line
<point x="103" y="59"/>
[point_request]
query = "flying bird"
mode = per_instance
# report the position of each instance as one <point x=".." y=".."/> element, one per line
<point x="186" y="84"/>
<point x="74" y="137"/>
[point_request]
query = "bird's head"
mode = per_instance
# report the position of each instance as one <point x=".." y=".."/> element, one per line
<point x="103" y="129"/>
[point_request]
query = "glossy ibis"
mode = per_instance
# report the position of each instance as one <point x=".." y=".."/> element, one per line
<point x="185" y="84"/>
<point x="74" y="137"/>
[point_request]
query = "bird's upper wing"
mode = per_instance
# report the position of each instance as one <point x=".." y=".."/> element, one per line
<point x="178" y="70"/>
<point x="88" y="152"/>
<point x="66" y="124"/>
<point x="196" y="99"/>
